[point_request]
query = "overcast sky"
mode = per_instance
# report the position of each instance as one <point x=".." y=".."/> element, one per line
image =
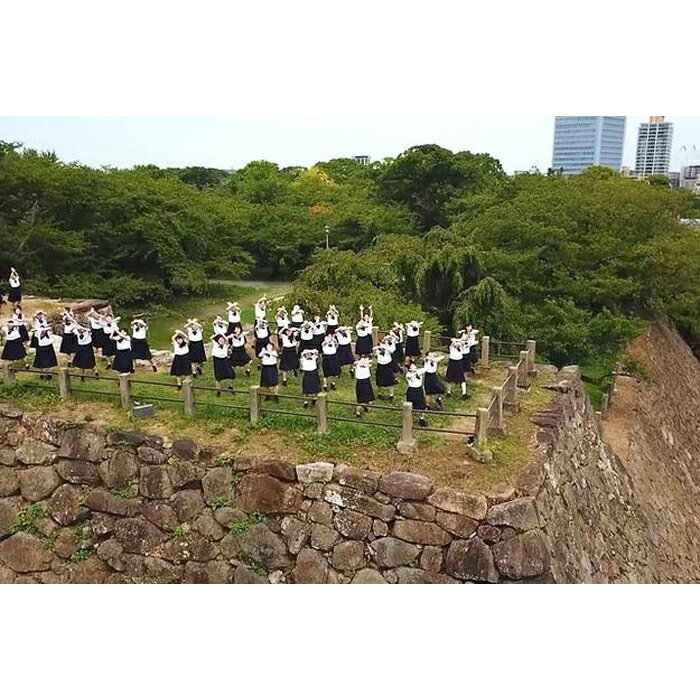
<point x="231" y="142"/>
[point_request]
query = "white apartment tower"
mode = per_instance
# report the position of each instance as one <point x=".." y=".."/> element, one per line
<point x="654" y="144"/>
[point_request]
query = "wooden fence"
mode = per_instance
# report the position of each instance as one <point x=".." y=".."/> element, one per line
<point x="487" y="421"/>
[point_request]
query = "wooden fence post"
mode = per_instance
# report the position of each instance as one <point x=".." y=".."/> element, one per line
<point x="188" y="396"/>
<point x="321" y="413"/>
<point x="125" y="391"/>
<point x="524" y="378"/>
<point x="531" y="346"/>
<point x="407" y="441"/>
<point x="64" y="383"/>
<point x="8" y="374"/>
<point x="482" y="424"/>
<point x="427" y="341"/>
<point x="485" y="351"/>
<point x="375" y="336"/>
<point x="497" y="396"/>
<point x="254" y="404"/>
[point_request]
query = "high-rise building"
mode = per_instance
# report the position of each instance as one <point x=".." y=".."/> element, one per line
<point x="580" y="142"/>
<point x="363" y="160"/>
<point x="654" y="144"/>
<point x="690" y="177"/>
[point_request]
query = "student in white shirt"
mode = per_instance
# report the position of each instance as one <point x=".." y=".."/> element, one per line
<point x="45" y="357"/>
<point x="19" y="318"/>
<point x="306" y="336"/>
<point x="14" y="347"/>
<point x="364" y="392"/>
<point x="84" y="358"/>
<point x="412" y="342"/>
<point x="332" y="319"/>
<point x="260" y="309"/>
<point x="330" y="363"/>
<point x="123" y="360"/>
<point x="431" y="381"/>
<point x="69" y="342"/>
<point x="15" y="293"/>
<point x="219" y="326"/>
<point x="385" y="377"/>
<point x="289" y="359"/>
<point x="140" y="350"/>
<point x="222" y="365"/>
<point x="195" y="338"/>
<point x="96" y="321"/>
<point x="310" y="384"/>
<point x="399" y="356"/>
<point x="239" y="355"/>
<point x="281" y="319"/>
<point x="110" y="326"/>
<point x="455" y="367"/>
<point x="363" y="328"/>
<point x="269" y="375"/>
<point x="320" y="332"/>
<point x="344" y="337"/>
<point x="261" y="330"/>
<point x="181" y="365"/>
<point x="297" y="316"/>
<point x="234" y="317"/>
<point x="414" y="393"/>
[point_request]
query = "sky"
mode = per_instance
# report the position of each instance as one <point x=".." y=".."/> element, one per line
<point x="231" y="142"/>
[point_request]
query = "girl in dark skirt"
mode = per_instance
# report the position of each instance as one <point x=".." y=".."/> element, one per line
<point x="69" y="343"/>
<point x="344" y="337"/>
<point x="195" y="338"/>
<point x="399" y="356"/>
<point x="96" y="321"/>
<point x="385" y="372"/>
<point x="364" y="393"/>
<point x="261" y="330"/>
<point x="297" y="316"/>
<point x="15" y="293"/>
<point x="431" y="381"/>
<point x="306" y="336"/>
<point x="414" y="393"/>
<point x="140" y="350"/>
<point x="282" y="320"/>
<point x="84" y="357"/>
<point x="289" y="360"/>
<point x="39" y="323"/>
<point x="412" y="343"/>
<point x="332" y="319"/>
<point x="310" y="384"/>
<point x="473" y="345"/>
<point x="320" y="330"/>
<point x="181" y="365"/>
<point x="45" y="357"/>
<point x="455" y="367"/>
<point x="239" y="356"/>
<point x="222" y="364"/>
<point x="19" y="318"/>
<point x="110" y="328"/>
<point x="220" y="326"/>
<point x="269" y="376"/>
<point x="234" y="317"/>
<point x="14" y="347"/>
<point x="363" y="344"/>
<point x="330" y="363"/>
<point x="123" y="360"/>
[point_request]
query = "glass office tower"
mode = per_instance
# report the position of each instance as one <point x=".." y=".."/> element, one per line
<point x="580" y="142"/>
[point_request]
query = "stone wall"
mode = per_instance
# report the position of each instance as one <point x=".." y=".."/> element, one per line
<point x="81" y="505"/>
<point x="78" y="504"/>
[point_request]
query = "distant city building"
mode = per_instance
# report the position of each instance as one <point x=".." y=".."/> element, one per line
<point x="626" y="171"/>
<point x="690" y="178"/>
<point x="534" y="170"/>
<point x="581" y="142"/>
<point x="363" y="160"/>
<point x="674" y="179"/>
<point x="654" y="143"/>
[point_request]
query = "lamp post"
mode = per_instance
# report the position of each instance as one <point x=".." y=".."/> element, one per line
<point x="327" y="229"/>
